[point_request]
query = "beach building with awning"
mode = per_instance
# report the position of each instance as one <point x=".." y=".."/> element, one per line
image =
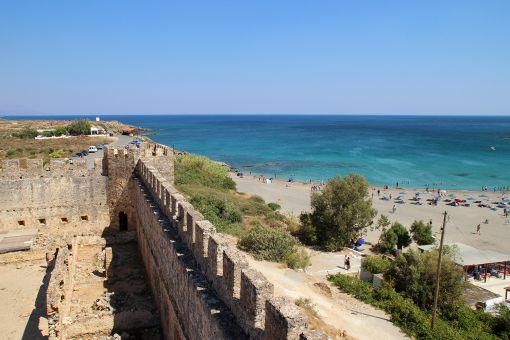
<point x="474" y="257"/>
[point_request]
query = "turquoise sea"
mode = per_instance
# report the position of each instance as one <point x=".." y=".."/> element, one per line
<point x="442" y="151"/>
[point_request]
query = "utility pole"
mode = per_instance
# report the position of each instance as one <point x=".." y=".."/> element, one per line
<point x="436" y="294"/>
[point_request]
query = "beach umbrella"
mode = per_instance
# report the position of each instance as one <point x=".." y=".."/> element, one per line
<point x="451" y="195"/>
<point x="483" y="195"/>
<point x="417" y="193"/>
<point x="402" y="193"/>
<point x="470" y="199"/>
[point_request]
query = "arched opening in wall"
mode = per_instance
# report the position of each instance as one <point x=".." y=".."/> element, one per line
<point x="123" y="221"/>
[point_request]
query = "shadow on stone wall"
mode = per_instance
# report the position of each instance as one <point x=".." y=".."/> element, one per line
<point x="32" y="330"/>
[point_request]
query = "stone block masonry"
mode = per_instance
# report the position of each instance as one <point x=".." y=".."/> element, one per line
<point x="242" y="295"/>
<point x="203" y="287"/>
<point x="56" y="198"/>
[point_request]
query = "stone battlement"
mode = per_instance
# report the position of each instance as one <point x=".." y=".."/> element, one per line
<point x="57" y="167"/>
<point x="245" y="291"/>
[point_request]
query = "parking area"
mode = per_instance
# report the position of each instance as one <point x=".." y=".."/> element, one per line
<point x="119" y="140"/>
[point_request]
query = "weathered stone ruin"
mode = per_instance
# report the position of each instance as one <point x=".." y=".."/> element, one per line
<point x="201" y="287"/>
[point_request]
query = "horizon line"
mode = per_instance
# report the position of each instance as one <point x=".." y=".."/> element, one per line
<point x="261" y="114"/>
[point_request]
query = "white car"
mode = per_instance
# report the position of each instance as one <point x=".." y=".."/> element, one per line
<point x="92" y="149"/>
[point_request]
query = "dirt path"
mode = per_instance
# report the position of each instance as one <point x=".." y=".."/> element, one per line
<point x="341" y="311"/>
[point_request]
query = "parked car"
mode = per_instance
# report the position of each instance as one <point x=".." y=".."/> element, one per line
<point x="92" y="148"/>
<point x="100" y="146"/>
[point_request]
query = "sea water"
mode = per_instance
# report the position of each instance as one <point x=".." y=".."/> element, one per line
<point x="451" y="152"/>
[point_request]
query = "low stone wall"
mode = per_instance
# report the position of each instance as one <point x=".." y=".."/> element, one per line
<point x="191" y="266"/>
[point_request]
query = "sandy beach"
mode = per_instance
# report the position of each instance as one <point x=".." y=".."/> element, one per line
<point x="461" y="225"/>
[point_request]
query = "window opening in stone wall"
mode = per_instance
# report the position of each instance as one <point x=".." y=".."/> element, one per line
<point x="84" y="218"/>
<point x="123" y="221"/>
<point x="42" y="221"/>
<point x="21" y="223"/>
<point x="64" y="220"/>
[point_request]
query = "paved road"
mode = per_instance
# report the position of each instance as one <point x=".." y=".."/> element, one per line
<point x="120" y="140"/>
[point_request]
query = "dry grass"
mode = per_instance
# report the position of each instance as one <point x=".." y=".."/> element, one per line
<point x="9" y="126"/>
<point x="11" y="148"/>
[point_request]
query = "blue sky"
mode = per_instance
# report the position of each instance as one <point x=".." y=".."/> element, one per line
<point x="249" y="57"/>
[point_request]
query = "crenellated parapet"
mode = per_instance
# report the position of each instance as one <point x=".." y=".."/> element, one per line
<point x="245" y="291"/>
<point x="12" y="169"/>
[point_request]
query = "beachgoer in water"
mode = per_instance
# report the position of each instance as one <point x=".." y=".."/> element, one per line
<point x="397" y="185"/>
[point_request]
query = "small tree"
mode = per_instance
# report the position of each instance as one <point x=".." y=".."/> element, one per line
<point x="342" y="211"/>
<point x="403" y="237"/>
<point x="414" y="275"/>
<point x="387" y="241"/>
<point x="397" y="236"/>
<point x="382" y="223"/>
<point x="422" y="233"/>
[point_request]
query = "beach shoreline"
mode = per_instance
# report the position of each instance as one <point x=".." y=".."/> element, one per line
<point x="294" y="198"/>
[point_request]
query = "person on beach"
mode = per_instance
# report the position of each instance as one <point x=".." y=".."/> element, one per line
<point x="478" y="229"/>
<point x="394" y="208"/>
<point x="378" y="192"/>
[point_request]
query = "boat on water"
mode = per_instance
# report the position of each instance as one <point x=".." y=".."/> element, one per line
<point x="492" y="148"/>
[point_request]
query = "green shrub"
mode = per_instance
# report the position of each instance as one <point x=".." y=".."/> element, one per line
<point x="25" y="134"/>
<point x="387" y="241"/>
<point x="57" y="154"/>
<point x="267" y="244"/>
<point x="375" y="264"/>
<point x="198" y="170"/>
<point x="422" y="233"/>
<point x="298" y="259"/>
<point x="219" y="210"/>
<point x="79" y="127"/>
<point x="306" y="231"/>
<point x="274" y="206"/>
<point x="11" y="152"/>
<point x="408" y="316"/>
<point x="397" y="235"/>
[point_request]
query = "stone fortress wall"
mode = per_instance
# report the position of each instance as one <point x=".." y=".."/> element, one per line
<point x="60" y="196"/>
<point x="203" y="286"/>
<point x="186" y="257"/>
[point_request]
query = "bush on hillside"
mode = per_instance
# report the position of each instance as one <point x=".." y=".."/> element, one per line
<point x="387" y="241"/>
<point x="414" y="321"/>
<point x="375" y="264"/>
<point x="57" y="154"/>
<point x="306" y="231"/>
<point x="274" y="206"/>
<point x="397" y="235"/>
<point x="298" y="259"/>
<point x="79" y="127"/>
<point x="219" y="210"/>
<point x="267" y="244"/>
<point x="25" y="134"/>
<point x="198" y="170"/>
<point x="422" y="233"/>
<point x="413" y="275"/>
